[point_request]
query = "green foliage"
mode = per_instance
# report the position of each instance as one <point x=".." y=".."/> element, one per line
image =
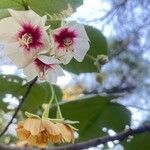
<point x="98" y="45"/>
<point x="139" y="142"/>
<point x="94" y="113"/>
<point x="40" y="93"/>
<point x="14" y="4"/>
<point x="42" y="7"/>
<point x="53" y="6"/>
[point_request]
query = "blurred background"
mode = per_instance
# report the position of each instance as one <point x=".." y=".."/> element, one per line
<point x="125" y="24"/>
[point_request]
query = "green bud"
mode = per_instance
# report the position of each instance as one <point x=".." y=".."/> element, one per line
<point x="100" y="77"/>
<point x="102" y="59"/>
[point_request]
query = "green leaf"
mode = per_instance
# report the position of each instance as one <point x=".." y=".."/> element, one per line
<point x="94" y="113"/>
<point x="14" y="4"/>
<point x="139" y="141"/>
<point x="40" y="93"/>
<point x="98" y="45"/>
<point x="53" y="6"/>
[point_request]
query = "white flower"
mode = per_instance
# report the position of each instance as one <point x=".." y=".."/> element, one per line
<point x="70" y="41"/>
<point x="45" y="67"/>
<point x="24" y="36"/>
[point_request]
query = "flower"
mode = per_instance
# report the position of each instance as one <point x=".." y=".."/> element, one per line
<point x="70" y="41"/>
<point x="67" y="132"/>
<point x="38" y="132"/>
<point x="24" y="36"/>
<point x="45" y="67"/>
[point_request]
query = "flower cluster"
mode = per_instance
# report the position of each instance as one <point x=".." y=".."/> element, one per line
<point x="38" y="52"/>
<point x="39" y="132"/>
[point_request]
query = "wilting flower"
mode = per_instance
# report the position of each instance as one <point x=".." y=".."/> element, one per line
<point x="24" y="36"/>
<point x="38" y="132"/>
<point x="70" y="41"/>
<point x="45" y="67"/>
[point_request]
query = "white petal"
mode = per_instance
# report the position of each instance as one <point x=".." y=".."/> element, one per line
<point x="62" y="56"/>
<point x="17" y="55"/>
<point x="30" y="71"/>
<point x="51" y="76"/>
<point x="48" y="59"/>
<point x="79" y="28"/>
<point x="28" y="16"/>
<point x="80" y="49"/>
<point x="53" y="73"/>
<point x="59" y="70"/>
<point x="8" y="29"/>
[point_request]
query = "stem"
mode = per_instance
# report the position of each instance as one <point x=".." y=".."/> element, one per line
<point x="22" y="100"/>
<point x="59" y="114"/>
<point x="91" y="57"/>
<point x="46" y="111"/>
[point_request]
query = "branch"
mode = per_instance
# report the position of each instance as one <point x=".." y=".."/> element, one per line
<point x="91" y="143"/>
<point x="22" y="100"/>
<point x="97" y="141"/>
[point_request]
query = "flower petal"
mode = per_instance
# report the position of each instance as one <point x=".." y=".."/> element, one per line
<point x="62" y="56"/>
<point x="48" y="60"/>
<point x="67" y="132"/>
<point x="17" y="55"/>
<point x="35" y="126"/>
<point x="80" y="49"/>
<point x="79" y="28"/>
<point x="8" y="29"/>
<point x="30" y="71"/>
<point x="28" y="16"/>
<point x="22" y="133"/>
<point x="51" y="76"/>
<point x="59" y="70"/>
<point x="51" y="127"/>
<point x="53" y="73"/>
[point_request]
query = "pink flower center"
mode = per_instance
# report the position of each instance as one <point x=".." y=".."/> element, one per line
<point x="42" y="68"/>
<point x="65" y="38"/>
<point x="30" y="37"/>
<point x="42" y="65"/>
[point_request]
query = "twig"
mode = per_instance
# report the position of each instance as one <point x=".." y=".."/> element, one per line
<point x="22" y="100"/>
<point x="97" y="141"/>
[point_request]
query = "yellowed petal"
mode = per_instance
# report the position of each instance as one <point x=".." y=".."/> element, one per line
<point x="67" y="132"/>
<point x="32" y="140"/>
<point x="22" y="133"/>
<point x="55" y="138"/>
<point x="42" y="139"/>
<point x="51" y="127"/>
<point x="34" y="126"/>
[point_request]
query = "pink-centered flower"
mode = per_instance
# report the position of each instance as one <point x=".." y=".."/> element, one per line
<point x="70" y="41"/>
<point x="45" y="67"/>
<point x="24" y="36"/>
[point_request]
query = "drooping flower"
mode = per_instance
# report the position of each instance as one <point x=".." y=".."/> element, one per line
<point x="24" y="36"/>
<point x="45" y="67"/>
<point x="38" y="132"/>
<point x="71" y="40"/>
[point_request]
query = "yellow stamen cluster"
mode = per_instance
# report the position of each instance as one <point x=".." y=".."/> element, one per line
<point x="25" y="40"/>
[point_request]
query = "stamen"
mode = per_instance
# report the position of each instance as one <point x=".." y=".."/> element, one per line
<point x="67" y="42"/>
<point x="26" y="40"/>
